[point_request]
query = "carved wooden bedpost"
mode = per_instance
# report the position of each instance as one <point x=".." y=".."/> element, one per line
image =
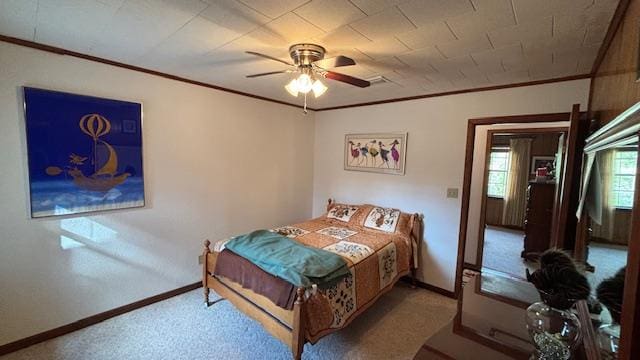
<point x="205" y="254"/>
<point x="329" y="203"/>
<point x="298" y="331"/>
<point x="418" y="230"/>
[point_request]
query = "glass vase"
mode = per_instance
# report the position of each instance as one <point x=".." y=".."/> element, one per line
<point x="608" y="337"/>
<point x="554" y="332"/>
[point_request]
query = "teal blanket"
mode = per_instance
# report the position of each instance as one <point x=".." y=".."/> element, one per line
<point x="288" y="259"/>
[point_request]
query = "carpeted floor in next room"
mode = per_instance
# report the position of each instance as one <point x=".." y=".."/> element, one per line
<point x="182" y="328"/>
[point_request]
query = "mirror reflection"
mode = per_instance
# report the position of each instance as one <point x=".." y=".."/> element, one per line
<point x="521" y="176"/>
<point x="520" y="191"/>
<point x="609" y="204"/>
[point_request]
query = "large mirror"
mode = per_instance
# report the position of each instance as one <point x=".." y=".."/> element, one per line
<point x="515" y="196"/>
<point x="513" y="164"/>
<point x="520" y="186"/>
<point x="606" y="210"/>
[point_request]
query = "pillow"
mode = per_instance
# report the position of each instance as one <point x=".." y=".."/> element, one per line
<point x="342" y="212"/>
<point x="383" y="219"/>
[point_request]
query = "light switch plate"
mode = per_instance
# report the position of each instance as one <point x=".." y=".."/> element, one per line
<point x="452" y="193"/>
<point x="200" y="259"/>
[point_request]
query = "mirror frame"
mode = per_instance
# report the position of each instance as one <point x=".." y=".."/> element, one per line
<point x="468" y="165"/>
<point x="570" y="163"/>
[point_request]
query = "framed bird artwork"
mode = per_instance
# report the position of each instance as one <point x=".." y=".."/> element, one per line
<point x="84" y="152"/>
<point x="382" y="153"/>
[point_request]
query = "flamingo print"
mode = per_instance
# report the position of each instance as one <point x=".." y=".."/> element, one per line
<point x="364" y="151"/>
<point x="384" y="153"/>
<point x="373" y="151"/>
<point x="395" y="154"/>
<point x="354" y="152"/>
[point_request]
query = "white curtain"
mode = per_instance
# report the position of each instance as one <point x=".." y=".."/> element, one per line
<point x="603" y="221"/>
<point x="589" y="186"/>
<point x="516" y="192"/>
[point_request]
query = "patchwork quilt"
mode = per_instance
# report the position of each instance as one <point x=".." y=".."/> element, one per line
<point x="377" y="244"/>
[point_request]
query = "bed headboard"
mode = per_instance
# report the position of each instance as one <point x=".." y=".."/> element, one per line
<point x="329" y="203"/>
<point x="417" y="231"/>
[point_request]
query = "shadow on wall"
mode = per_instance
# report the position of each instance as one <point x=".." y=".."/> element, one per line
<point x="98" y="252"/>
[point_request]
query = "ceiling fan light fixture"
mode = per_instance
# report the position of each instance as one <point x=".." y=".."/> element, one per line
<point x="318" y="88"/>
<point x="309" y="61"/>
<point x="305" y="83"/>
<point x="292" y="87"/>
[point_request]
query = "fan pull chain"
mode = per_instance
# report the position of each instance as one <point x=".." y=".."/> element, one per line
<point x="305" y="104"/>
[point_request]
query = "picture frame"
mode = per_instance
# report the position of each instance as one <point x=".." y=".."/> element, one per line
<point x="376" y="152"/>
<point x="539" y="161"/>
<point x="84" y="153"/>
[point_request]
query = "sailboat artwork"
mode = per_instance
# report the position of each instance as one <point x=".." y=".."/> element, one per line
<point x="104" y="178"/>
<point x="81" y="157"/>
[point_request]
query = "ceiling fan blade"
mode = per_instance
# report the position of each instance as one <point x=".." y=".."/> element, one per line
<point x="269" y="57"/>
<point x="334" y="62"/>
<point x="346" y="79"/>
<point x="269" y="73"/>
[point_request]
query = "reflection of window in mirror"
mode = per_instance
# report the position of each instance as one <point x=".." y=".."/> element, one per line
<point x="609" y="203"/>
<point x="624" y="177"/>
<point x="611" y="215"/>
<point x="498" y="172"/>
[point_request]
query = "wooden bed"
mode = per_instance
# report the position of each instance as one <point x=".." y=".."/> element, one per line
<point x="287" y="325"/>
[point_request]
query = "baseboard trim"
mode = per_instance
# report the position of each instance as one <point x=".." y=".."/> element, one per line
<point x="430" y="287"/>
<point x="510" y="227"/>
<point x="92" y="320"/>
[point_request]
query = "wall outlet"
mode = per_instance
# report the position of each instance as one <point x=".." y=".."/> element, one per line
<point x="200" y="259"/>
<point x="452" y="193"/>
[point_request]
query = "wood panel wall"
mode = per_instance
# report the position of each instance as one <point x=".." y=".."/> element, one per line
<point x="620" y="229"/>
<point x="493" y="215"/>
<point x="614" y="86"/>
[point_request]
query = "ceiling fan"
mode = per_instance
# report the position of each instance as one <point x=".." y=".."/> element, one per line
<point x="309" y="61"/>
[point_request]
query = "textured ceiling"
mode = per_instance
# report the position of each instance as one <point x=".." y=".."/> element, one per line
<point x="421" y="46"/>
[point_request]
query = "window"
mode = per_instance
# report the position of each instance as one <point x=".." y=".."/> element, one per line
<point x="498" y="172"/>
<point x="624" y="178"/>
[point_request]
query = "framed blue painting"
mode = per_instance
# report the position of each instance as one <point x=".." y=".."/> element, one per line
<point x="85" y="153"/>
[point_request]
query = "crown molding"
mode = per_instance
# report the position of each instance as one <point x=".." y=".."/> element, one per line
<point x="61" y="51"/>
<point x="463" y="91"/>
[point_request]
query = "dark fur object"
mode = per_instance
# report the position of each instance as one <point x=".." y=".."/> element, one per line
<point x="610" y="291"/>
<point x="558" y="280"/>
<point x="554" y="257"/>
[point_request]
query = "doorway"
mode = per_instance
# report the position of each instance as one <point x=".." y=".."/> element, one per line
<point x="519" y="189"/>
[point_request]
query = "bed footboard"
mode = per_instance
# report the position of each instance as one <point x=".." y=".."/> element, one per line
<point x="286" y="325"/>
<point x="205" y="255"/>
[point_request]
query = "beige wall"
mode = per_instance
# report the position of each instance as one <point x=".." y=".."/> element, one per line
<point x="216" y="164"/>
<point x="435" y="159"/>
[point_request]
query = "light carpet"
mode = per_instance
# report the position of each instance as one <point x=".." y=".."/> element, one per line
<point x="607" y="259"/>
<point x="502" y="248"/>
<point x="182" y="328"/>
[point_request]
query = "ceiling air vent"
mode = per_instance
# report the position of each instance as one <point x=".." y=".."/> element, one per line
<point x="377" y="80"/>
